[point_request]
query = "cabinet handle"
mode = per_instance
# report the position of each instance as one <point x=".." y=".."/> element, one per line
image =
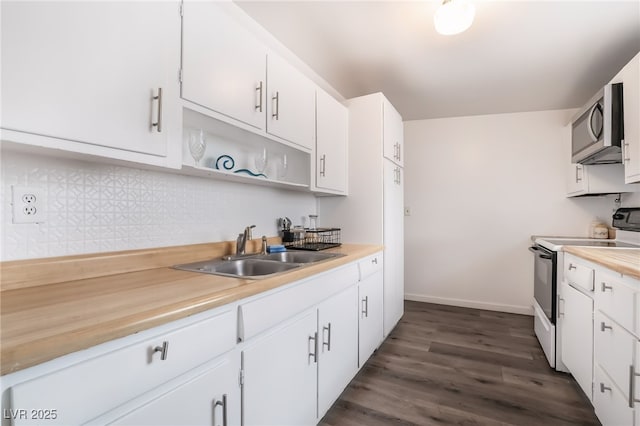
<point x="374" y="260"/>
<point x="625" y="151"/>
<point x="606" y="287"/>
<point x="158" y="124"/>
<point x="572" y="266"/>
<point x="578" y="179"/>
<point x="399" y="151"/>
<point x="223" y="403"/>
<point x="259" y="90"/>
<point x="328" y="342"/>
<point x="164" y="350"/>
<point x="604" y="326"/>
<point x="632" y="386"/>
<point x="314" y="354"/>
<point x="604" y="388"/>
<point x="560" y="313"/>
<point x="365" y="307"/>
<point x="323" y="164"/>
<point x="276" y="114"/>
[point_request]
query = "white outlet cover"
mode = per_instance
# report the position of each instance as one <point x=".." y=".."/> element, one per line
<point x="21" y="195"/>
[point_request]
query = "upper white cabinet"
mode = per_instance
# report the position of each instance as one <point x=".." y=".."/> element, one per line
<point x="332" y="132"/>
<point x="85" y="76"/>
<point x="230" y="71"/>
<point x="290" y="103"/>
<point x="393" y="133"/>
<point x="630" y="77"/>
<point x="596" y="179"/>
<point x="223" y="64"/>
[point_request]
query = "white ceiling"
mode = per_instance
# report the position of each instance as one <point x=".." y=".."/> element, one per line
<point x="517" y="56"/>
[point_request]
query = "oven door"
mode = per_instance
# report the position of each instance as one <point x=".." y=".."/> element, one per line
<point x="544" y="281"/>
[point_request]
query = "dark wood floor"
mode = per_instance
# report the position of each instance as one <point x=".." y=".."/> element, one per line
<point x="444" y="365"/>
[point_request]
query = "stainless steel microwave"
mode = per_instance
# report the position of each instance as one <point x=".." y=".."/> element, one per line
<point x="598" y="128"/>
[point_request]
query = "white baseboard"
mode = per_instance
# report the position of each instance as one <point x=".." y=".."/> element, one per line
<point x="512" y="309"/>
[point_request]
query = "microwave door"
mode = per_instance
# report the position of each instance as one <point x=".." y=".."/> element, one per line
<point x="587" y="129"/>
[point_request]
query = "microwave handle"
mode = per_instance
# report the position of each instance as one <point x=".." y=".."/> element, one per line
<point x="595" y="107"/>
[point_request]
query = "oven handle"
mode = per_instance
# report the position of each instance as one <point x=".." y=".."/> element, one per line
<point x="536" y="250"/>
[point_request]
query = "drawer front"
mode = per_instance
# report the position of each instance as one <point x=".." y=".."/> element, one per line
<point x="616" y="299"/>
<point x="610" y="405"/>
<point x="370" y="265"/>
<point x="614" y="350"/>
<point x="88" y="389"/>
<point x="261" y="314"/>
<point x="578" y="274"/>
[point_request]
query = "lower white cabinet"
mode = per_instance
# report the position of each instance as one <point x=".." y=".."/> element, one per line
<point x="280" y="375"/>
<point x="393" y="219"/>
<point x="611" y="406"/>
<point x="576" y="310"/>
<point x="210" y="398"/>
<point x="370" y="315"/>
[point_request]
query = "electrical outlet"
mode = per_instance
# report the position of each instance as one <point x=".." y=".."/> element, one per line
<point x="28" y="204"/>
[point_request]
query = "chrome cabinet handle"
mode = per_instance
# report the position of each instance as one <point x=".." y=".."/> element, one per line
<point x="604" y="326"/>
<point x="222" y="403"/>
<point x="327" y="328"/>
<point x="314" y="354"/>
<point x="164" y="350"/>
<point x="604" y="388"/>
<point x="625" y="151"/>
<point x="259" y="90"/>
<point x="374" y="260"/>
<point x="276" y="98"/>
<point x="572" y="266"/>
<point x="323" y="164"/>
<point x="606" y="287"/>
<point x="632" y="386"/>
<point x="399" y="176"/>
<point x="158" y="124"/>
<point x="560" y="313"/>
<point x="399" y="151"/>
<point x="578" y="179"/>
<point x="365" y="307"/>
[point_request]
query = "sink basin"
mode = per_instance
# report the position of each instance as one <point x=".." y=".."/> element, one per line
<point x="300" y="256"/>
<point x="240" y="268"/>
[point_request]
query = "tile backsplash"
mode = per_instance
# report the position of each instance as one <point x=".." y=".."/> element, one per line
<point x="93" y="207"/>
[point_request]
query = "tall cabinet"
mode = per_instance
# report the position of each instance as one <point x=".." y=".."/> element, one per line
<point x="373" y="213"/>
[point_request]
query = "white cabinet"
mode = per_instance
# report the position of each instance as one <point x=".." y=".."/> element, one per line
<point x="212" y="397"/>
<point x="630" y="77"/>
<point x="337" y="346"/>
<point x="394" y="245"/>
<point x="86" y="76"/>
<point x="596" y="179"/>
<point x="280" y="375"/>
<point x="371" y="301"/>
<point x="609" y="403"/>
<point x="576" y="310"/>
<point x="290" y="103"/>
<point x="332" y="130"/>
<point x="393" y="133"/>
<point x="223" y="64"/>
<point x="373" y="211"/>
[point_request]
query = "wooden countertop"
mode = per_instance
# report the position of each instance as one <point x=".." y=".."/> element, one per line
<point x="623" y="260"/>
<point x="44" y="313"/>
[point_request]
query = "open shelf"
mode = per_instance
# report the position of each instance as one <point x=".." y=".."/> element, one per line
<point x="234" y="177"/>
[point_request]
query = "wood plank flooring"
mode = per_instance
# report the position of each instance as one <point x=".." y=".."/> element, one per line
<point x="445" y="365"/>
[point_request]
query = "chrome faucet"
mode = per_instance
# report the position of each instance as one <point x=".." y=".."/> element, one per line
<point x="241" y="242"/>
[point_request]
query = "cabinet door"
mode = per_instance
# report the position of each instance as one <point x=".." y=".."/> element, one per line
<point x="332" y="128"/>
<point x="88" y="72"/>
<point x="393" y="134"/>
<point x="393" y="245"/>
<point x="291" y="103"/>
<point x="370" y="315"/>
<point x="611" y="406"/>
<point x="199" y="401"/>
<point x="577" y="336"/>
<point x="280" y="375"/>
<point x="576" y="180"/>
<point x="338" y="346"/>
<point x="223" y="64"/>
<point x="630" y="77"/>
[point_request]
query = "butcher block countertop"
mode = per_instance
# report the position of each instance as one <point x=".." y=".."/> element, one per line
<point x="623" y="260"/>
<point x="56" y="306"/>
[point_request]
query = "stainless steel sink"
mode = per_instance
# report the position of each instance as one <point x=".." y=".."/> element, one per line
<point x="257" y="266"/>
<point x="240" y="268"/>
<point x="300" y="256"/>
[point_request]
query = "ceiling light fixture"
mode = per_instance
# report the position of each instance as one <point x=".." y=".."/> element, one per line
<point x="454" y="16"/>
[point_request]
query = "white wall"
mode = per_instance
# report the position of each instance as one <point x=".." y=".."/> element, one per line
<point x="97" y="207"/>
<point x="478" y="188"/>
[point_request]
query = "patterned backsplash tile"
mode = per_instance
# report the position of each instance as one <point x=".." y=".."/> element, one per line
<point x="92" y="207"/>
